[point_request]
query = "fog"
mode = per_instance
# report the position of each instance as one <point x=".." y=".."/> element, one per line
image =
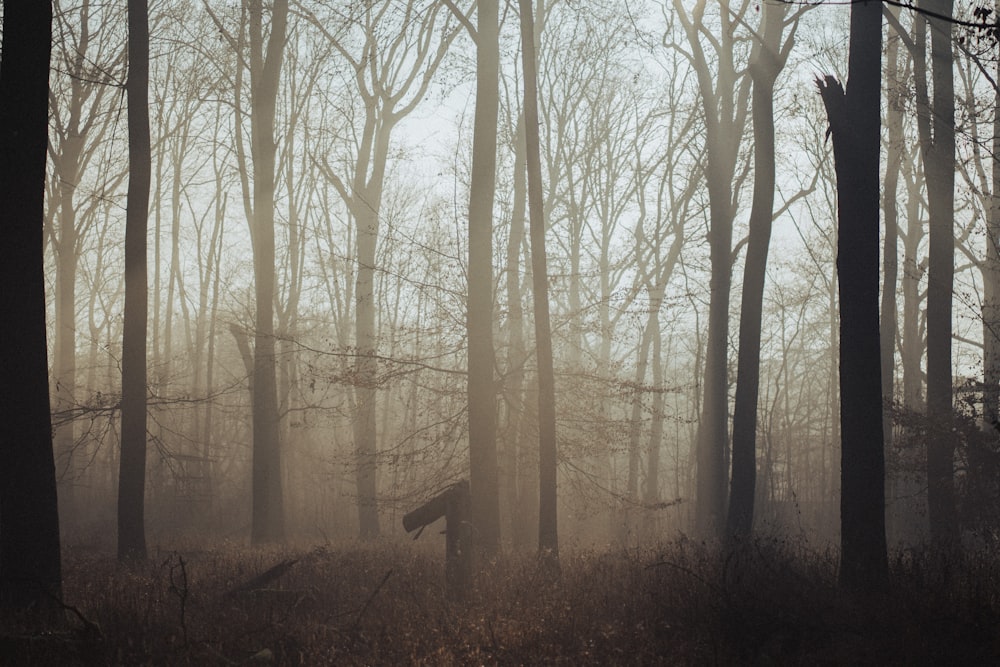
<point x="620" y="358"/>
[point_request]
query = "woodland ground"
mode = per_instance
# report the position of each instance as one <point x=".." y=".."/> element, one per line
<point x="770" y="602"/>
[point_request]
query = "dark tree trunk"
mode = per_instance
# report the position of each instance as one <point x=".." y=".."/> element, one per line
<point x="991" y="285"/>
<point x="854" y="123"/>
<point x="132" y="465"/>
<point x="548" y="536"/>
<point x="481" y="388"/>
<point x="30" y="569"/>
<point x="936" y="124"/>
<point x="768" y="60"/>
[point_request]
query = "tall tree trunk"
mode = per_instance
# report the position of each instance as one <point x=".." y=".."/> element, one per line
<point x="64" y="344"/>
<point x="991" y="283"/>
<point x="482" y="394"/>
<point x="890" y="255"/>
<point x="651" y="495"/>
<point x="936" y="124"/>
<point x="724" y="98"/>
<point x="516" y="353"/>
<point x="268" y="521"/>
<point x="366" y="367"/>
<point x="30" y="567"/>
<point x="68" y="167"/>
<point x="766" y="63"/>
<point x="548" y="536"/>
<point x="911" y="350"/>
<point x="854" y="123"/>
<point x="132" y="465"/>
<point x="625" y="525"/>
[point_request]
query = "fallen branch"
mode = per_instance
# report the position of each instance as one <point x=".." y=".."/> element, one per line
<point x="262" y="580"/>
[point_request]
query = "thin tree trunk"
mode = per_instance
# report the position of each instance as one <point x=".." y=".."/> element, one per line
<point x="936" y="123"/>
<point x="911" y="349"/>
<point x="651" y="495"/>
<point x="516" y="354"/>
<point x="724" y="98"/>
<point x="635" y="430"/>
<point x="768" y="60"/>
<point x="890" y="255"/>
<point x="548" y="538"/>
<point x="991" y="284"/>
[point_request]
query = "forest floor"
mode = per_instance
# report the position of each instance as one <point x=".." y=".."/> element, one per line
<point x="770" y="602"/>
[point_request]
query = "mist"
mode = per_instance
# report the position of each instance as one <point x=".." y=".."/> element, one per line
<point x="433" y="332"/>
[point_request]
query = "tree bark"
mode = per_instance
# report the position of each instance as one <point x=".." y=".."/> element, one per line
<point x="766" y="64"/>
<point x="268" y="521"/>
<point x="30" y="567"/>
<point x="516" y="354"/>
<point x="132" y="465"/>
<point x="723" y="98"/>
<point x="991" y="284"/>
<point x="936" y="125"/>
<point x="890" y="209"/>
<point x="854" y="124"/>
<point x="548" y="537"/>
<point x="481" y="388"/>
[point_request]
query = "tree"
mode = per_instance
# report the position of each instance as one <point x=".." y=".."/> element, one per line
<point x="479" y="322"/>
<point x="766" y="62"/>
<point x="888" y="324"/>
<point x="724" y="100"/>
<point x="854" y="125"/>
<point x="132" y="465"/>
<point x="392" y="78"/>
<point x="30" y="568"/>
<point x="936" y="126"/>
<point x="265" y="65"/>
<point x="80" y="91"/>
<point x="991" y="281"/>
<point x="548" y="536"/>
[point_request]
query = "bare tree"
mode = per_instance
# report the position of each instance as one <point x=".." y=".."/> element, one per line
<point x="936" y="126"/>
<point x="263" y="65"/>
<point x="766" y="62"/>
<point x="548" y="537"/>
<point x="132" y="470"/>
<point x="30" y="567"/>
<point x="81" y="123"/>
<point x="724" y="99"/>
<point x="854" y="124"/>
<point x="391" y="78"/>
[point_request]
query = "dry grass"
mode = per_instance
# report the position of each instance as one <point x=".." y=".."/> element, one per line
<point x="770" y="602"/>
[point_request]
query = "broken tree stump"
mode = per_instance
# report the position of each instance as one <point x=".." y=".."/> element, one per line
<point x="453" y="504"/>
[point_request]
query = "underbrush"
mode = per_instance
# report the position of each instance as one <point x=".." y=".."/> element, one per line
<point x="767" y="602"/>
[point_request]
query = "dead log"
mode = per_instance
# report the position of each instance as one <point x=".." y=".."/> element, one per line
<point x="262" y="580"/>
<point x="453" y="503"/>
